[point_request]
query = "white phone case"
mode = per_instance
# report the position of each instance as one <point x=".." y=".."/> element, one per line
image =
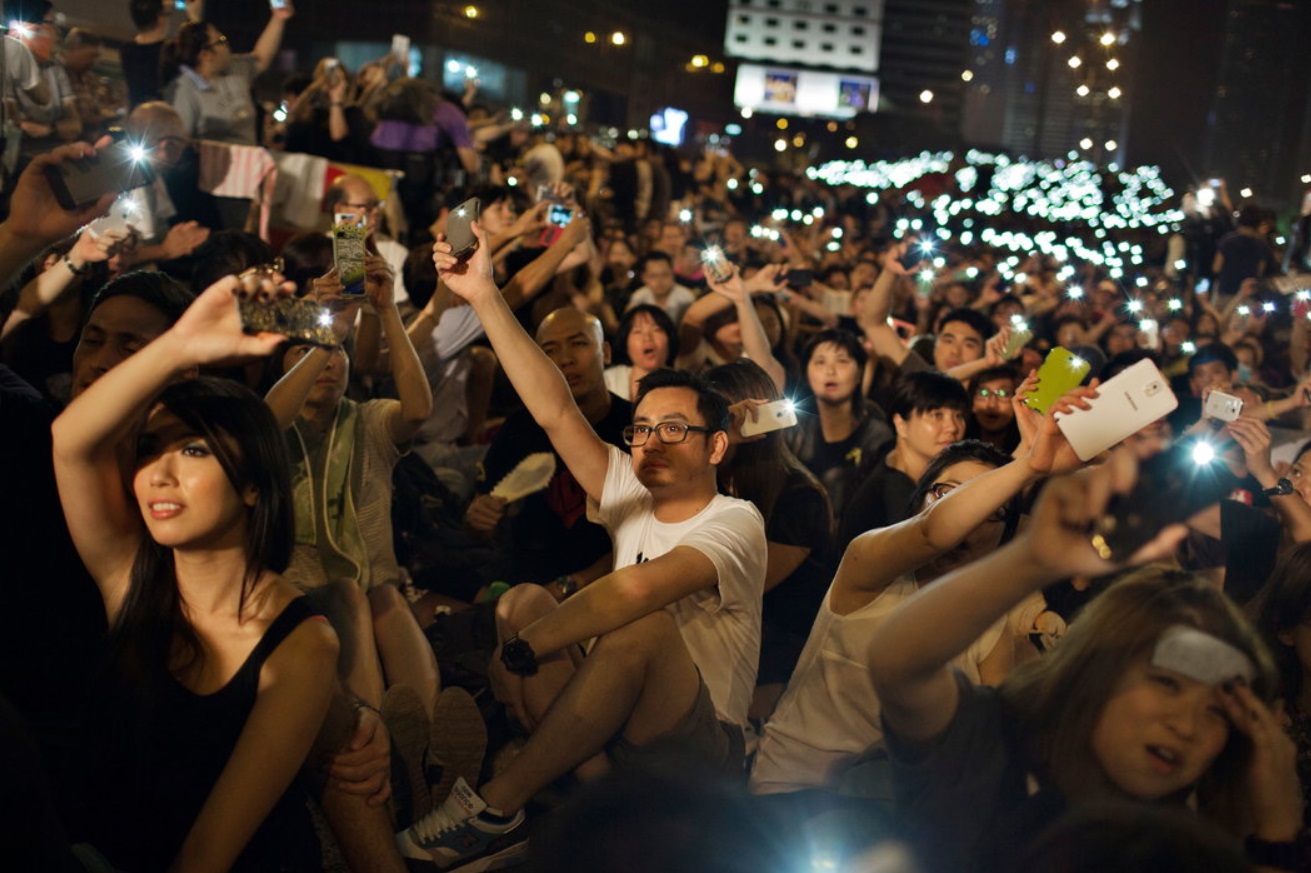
<point x="771" y="416"/>
<point x="1126" y="404"/>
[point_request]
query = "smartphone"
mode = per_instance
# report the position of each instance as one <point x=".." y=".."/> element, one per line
<point x="296" y="317"/>
<point x="459" y="233"/>
<point x="119" y="218"/>
<point x="717" y="267"/>
<point x="348" y="251"/>
<point x="1222" y="407"/>
<point x="1149" y="334"/>
<point x="1060" y="371"/>
<point x="180" y="5"/>
<point x="1019" y="338"/>
<point x="770" y="417"/>
<point x="400" y="47"/>
<point x="1172" y="486"/>
<point x="1135" y="398"/>
<point x="800" y="278"/>
<point x="120" y="166"/>
<point x="277" y="4"/>
<point x="557" y="216"/>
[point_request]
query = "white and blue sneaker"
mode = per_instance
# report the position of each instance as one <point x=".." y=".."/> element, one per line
<point x="462" y="834"/>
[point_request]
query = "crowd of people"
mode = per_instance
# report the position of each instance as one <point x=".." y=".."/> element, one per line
<point x="664" y="525"/>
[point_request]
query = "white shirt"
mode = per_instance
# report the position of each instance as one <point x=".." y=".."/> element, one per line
<point x="674" y="306"/>
<point x="829" y="716"/>
<point x="720" y="624"/>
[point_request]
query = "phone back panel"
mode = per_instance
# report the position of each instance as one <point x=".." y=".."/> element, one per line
<point x="1060" y="371"/>
<point x="1125" y="405"/>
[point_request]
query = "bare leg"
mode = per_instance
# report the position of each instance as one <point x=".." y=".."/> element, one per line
<point x="348" y="611"/>
<point x="407" y="658"/>
<point x="639" y="679"/>
<point x="478" y="390"/>
<point x="515" y="610"/>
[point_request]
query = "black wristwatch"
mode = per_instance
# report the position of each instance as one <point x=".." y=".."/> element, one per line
<point x="519" y="657"/>
<point x="1280" y="489"/>
<point x="1266" y="853"/>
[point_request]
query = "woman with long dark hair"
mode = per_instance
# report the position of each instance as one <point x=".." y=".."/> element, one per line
<point x="220" y="676"/>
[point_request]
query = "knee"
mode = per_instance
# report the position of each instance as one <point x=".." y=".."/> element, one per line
<point x="521" y="606"/>
<point x="641" y="639"/>
<point x="386" y="601"/>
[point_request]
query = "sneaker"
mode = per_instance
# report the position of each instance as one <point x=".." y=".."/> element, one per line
<point x="458" y="835"/>
<point x="457" y="744"/>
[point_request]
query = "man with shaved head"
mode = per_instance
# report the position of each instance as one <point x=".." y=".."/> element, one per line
<point x="547" y="537"/>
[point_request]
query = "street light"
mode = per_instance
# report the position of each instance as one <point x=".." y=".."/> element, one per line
<point x="1108" y="39"/>
<point x="589" y="37"/>
<point x="1075" y="62"/>
<point x="700" y="61"/>
<point x="1082" y="90"/>
<point x="852" y="142"/>
<point x="618" y="37"/>
<point x="1085" y="143"/>
<point x="1058" y="37"/>
<point x="1112" y="145"/>
<point x="1114" y="93"/>
<point x="471" y="12"/>
<point x="967" y="75"/>
<point x="926" y="96"/>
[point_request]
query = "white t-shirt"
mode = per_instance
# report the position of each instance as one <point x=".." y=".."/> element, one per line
<point x="447" y="368"/>
<point x="720" y="624"/>
<point x="674" y="306"/>
<point x="829" y="716"/>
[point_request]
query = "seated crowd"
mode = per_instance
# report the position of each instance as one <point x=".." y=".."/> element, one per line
<point x="510" y="546"/>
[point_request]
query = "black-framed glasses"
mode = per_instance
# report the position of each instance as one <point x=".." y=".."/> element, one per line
<point x="939" y="490"/>
<point x="994" y="393"/>
<point x="670" y="433"/>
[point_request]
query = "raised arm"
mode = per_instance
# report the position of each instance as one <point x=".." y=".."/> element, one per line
<point x="754" y="341"/>
<point x="47" y="287"/>
<point x="1253" y="437"/>
<point x="102" y="517"/>
<point x="412" y="389"/>
<point x="539" y="383"/>
<point x="270" y="40"/>
<point x="288" y="394"/>
<point x="529" y="282"/>
<point x="908" y="658"/>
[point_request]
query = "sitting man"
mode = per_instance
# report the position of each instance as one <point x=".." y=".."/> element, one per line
<point x="676" y="628"/>
<point x="547" y="536"/>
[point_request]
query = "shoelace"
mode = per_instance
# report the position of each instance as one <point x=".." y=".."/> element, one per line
<point x="434" y="824"/>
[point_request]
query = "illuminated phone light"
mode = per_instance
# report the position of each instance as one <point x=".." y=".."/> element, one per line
<point x="1018" y="321"/>
<point x="731" y="184"/>
<point x="1175" y="304"/>
<point x="1244" y="311"/>
<point x="1074" y="292"/>
<point x="1147" y="325"/>
<point x="1134" y="305"/>
<point x="325" y="319"/>
<point x="1188" y="347"/>
<point x="1076" y="362"/>
<point x="1180" y="264"/>
<point x="1303" y="295"/>
<point x="1203" y="453"/>
<point x="684" y="215"/>
<point x="1267" y="306"/>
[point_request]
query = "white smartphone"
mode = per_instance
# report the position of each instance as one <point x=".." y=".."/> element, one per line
<point x="1222" y="406"/>
<point x="1135" y="398"/>
<point x="400" y="47"/>
<point x="770" y="417"/>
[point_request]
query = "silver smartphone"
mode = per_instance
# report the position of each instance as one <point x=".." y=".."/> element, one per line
<point x="770" y="417"/>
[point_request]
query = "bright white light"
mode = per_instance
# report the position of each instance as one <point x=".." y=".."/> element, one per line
<point x="1134" y="305"/>
<point x="1108" y="39"/>
<point x="746" y="112"/>
<point x="452" y="66"/>
<point x="137" y="153"/>
<point x="1112" y="65"/>
<point x="325" y="319"/>
<point x="470" y="72"/>
<point x="516" y="114"/>
<point x="1203" y="453"/>
<point x="966" y="75"/>
<point x="1175" y="304"/>
<point x="1147" y="325"/>
<point x="1076" y="362"/>
<point x="1268" y="306"/>
<point x="685" y="215"/>
<point x="1058" y="37"/>
<point x="926" y="96"/>
<point x="780" y="145"/>
<point x="1082" y="90"/>
<point x="1114" y="93"/>
<point x="1246" y="192"/>
<point x="1188" y="347"/>
<point x="1075" y="62"/>
<point x="1112" y="145"/>
<point x="1244" y="310"/>
<point x="1085" y="143"/>
<point x="1074" y="292"/>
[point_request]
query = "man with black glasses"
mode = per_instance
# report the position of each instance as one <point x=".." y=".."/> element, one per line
<point x="662" y="652"/>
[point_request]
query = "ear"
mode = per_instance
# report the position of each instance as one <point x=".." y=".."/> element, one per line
<point x="605" y="353"/>
<point x="249" y="496"/>
<point x="899" y="425"/>
<point x="1286" y="637"/>
<point x="718" y="447"/>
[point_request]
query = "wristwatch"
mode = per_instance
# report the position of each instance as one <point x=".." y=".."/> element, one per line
<point x="1281" y="488"/>
<point x="567" y="585"/>
<point x="519" y="657"/>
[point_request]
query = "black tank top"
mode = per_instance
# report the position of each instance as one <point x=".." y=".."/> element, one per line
<point x="157" y="765"/>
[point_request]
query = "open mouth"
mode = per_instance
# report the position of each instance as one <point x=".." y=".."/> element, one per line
<point x="1166" y="760"/>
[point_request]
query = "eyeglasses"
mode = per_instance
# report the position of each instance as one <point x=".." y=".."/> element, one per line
<point x="220" y="41"/>
<point x="939" y="490"/>
<point x="670" y="433"/>
<point x="994" y="394"/>
<point x="364" y="207"/>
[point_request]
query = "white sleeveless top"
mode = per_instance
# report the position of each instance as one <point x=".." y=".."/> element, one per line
<point x="829" y="716"/>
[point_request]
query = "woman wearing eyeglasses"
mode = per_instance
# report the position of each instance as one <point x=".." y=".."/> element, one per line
<point x="828" y="720"/>
<point x="991" y="418"/>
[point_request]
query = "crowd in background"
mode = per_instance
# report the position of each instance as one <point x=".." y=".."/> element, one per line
<point x="506" y="527"/>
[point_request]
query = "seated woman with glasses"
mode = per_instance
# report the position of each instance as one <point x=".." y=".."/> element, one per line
<point x="823" y="727"/>
<point x="991" y="417"/>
